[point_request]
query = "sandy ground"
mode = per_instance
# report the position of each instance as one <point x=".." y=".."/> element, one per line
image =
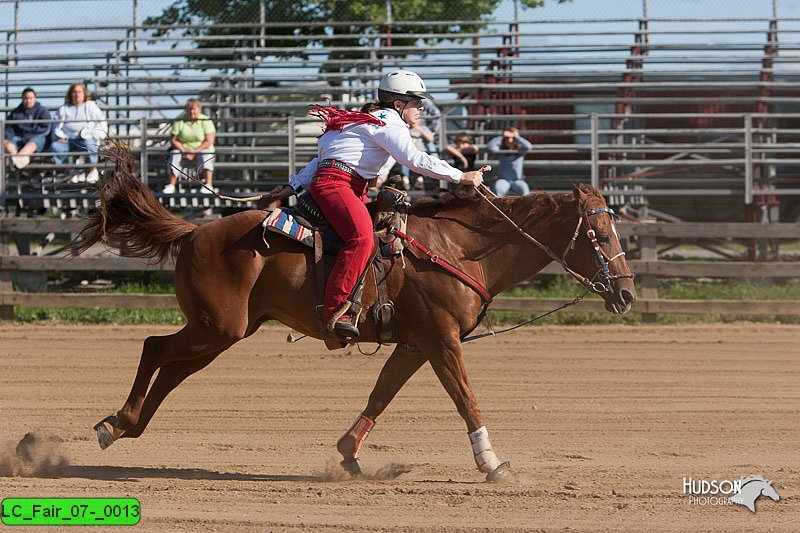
<point x="601" y="425"/>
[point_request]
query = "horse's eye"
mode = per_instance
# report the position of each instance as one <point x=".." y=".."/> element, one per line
<point x="603" y="238"/>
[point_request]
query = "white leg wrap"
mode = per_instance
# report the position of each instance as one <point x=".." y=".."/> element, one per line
<point x="485" y="458"/>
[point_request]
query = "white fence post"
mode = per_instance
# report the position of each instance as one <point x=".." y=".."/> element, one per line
<point x="748" y="159"/>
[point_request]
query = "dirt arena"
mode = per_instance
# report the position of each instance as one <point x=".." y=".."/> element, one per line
<point x="601" y="425"/>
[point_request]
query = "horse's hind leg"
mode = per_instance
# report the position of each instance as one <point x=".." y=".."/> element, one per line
<point x="188" y="345"/>
<point x="169" y="377"/>
<point x="397" y="370"/>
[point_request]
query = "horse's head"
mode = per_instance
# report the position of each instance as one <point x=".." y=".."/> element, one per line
<point x="596" y="253"/>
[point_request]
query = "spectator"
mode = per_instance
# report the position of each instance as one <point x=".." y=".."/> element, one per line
<point x="80" y="127"/>
<point x="510" y="149"/>
<point x="23" y="139"/>
<point x="193" y="135"/>
<point x="464" y="152"/>
<point x="422" y="137"/>
<point x="431" y="117"/>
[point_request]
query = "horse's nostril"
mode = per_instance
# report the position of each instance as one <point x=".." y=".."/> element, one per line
<point x="627" y="296"/>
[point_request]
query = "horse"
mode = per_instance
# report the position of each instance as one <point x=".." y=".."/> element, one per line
<point x="753" y="487"/>
<point x="231" y="276"/>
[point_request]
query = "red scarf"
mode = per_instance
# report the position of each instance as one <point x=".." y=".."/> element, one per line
<point x="336" y="119"/>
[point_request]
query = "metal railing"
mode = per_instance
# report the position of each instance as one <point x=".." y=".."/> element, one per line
<point x="743" y="162"/>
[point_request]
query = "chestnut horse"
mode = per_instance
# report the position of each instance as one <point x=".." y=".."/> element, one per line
<point x="230" y="277"/>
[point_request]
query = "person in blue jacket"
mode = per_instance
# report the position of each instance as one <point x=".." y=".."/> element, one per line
<point x="26" y="137"/>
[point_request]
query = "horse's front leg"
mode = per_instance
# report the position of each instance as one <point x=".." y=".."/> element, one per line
<point x="447" y="362"/>
<point x="396" y="371"/>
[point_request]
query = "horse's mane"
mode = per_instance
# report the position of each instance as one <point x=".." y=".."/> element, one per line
<point x="468" y="206"/>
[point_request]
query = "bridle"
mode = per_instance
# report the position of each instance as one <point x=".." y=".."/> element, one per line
<point x="602" y="259"/>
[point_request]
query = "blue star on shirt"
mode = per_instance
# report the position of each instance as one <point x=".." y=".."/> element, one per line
<point x="382" y="116"/>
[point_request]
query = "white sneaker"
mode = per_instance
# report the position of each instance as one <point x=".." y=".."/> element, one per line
<point x="20" y="161"/>
<point x="169" y="189"/>
<point x="93" y="176"/>
<point x="76" y="176"/>
<point x="206" y="190"/>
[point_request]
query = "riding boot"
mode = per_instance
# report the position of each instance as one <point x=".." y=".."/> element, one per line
<point x="342" y="324"/>
<point x="345" y="329"/>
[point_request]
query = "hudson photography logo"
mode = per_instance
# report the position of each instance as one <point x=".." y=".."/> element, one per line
<point x="743" y="491"/>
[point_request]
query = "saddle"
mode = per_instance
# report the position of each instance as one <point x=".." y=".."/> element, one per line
<point x="306" y="224"/>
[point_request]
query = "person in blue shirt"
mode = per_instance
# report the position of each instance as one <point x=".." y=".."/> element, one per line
<point x="24" y="138"/>
<point x="510" y="149"/>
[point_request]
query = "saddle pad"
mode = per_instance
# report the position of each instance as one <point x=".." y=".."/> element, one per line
<point x="282" y="221"/>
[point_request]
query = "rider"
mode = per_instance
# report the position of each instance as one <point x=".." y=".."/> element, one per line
<point x="352" y="150"/>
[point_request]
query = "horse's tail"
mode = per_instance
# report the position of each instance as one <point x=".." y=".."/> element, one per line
<point x="128" y="212"/>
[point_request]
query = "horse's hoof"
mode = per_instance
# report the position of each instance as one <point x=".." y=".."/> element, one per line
<point x="105" y="431"/>
<point x="501" y="474"/>
<point x="351" y="467"/>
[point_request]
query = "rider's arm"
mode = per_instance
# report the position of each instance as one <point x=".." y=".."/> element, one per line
<point x="397" y="142"/>
<point x="302" y="179"/>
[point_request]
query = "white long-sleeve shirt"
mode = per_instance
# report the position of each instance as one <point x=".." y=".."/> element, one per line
<point x="86" y="120"/>
<point x="367" y="147"/>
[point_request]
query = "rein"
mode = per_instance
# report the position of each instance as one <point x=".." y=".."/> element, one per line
<point x="493" y="333"/>
<point x="586" y="282"/>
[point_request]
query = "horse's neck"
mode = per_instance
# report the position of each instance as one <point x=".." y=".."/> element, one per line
<point x="519" y="259"/>
<point x="504" y="256"/>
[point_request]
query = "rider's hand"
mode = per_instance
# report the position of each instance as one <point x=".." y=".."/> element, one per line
<point x="475" y="177"/>
<point x="282" y="191"/>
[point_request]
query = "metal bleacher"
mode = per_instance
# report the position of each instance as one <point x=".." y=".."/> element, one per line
<point x="667" y="116"/>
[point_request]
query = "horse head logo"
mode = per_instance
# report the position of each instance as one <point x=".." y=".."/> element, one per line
<point x="751" y="488"/>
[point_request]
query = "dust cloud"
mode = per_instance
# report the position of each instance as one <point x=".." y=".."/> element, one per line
<point x="35" y="455"/>
<point x="334" y="472"/>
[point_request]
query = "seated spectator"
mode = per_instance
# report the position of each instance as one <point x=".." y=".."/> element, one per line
<point x="431" y="117"/>
<point x="510" y="149"/>
<point x="23" y="139"/>
<point x="422" y="137"/>
<point x="464" y="152"/>
<point x="80" y="127"/>
<point x="193" y="135"/>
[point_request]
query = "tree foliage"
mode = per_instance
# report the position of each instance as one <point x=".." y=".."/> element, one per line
<point x="317" y="23"/>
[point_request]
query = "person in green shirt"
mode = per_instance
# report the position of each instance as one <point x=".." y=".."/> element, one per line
<point x="193" y="135"/>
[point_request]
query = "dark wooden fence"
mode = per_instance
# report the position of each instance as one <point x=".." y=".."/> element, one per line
<point x="648" y="268"/>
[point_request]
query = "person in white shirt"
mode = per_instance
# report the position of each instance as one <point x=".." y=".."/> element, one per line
<point x="352" y="150"/>
<point x="80" y="126"/>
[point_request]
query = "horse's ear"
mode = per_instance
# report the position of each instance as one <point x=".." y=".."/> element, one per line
<point x="580" y="195"/>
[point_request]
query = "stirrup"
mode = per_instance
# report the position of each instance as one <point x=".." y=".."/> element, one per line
<point x="345" y="329"/>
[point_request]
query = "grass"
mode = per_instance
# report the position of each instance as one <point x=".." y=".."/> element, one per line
<point x="561" y="287"/>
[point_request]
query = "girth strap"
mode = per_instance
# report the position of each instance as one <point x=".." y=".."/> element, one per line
<point x="383" y="312"/>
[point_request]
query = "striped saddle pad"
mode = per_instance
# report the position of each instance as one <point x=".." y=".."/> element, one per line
<point x="283" y="221"/>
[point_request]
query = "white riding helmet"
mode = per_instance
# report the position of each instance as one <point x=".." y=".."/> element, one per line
<point x="404" y="85"/>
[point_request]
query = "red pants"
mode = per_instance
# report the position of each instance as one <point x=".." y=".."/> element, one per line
<point x="341" y="198"/>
